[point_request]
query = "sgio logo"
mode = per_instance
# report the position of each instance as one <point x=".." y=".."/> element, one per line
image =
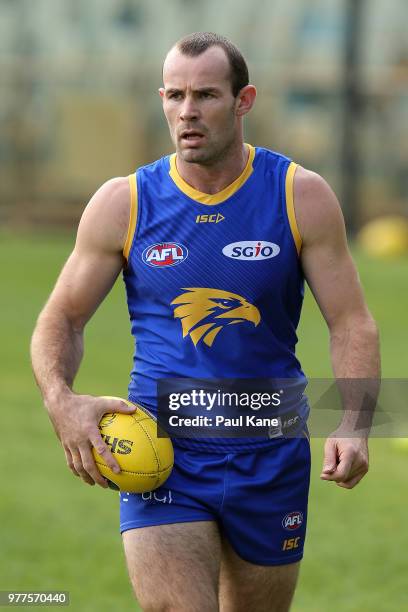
<point x="292" y="521"/>
<point x="251" y="250"/>
<point x="209" y="218"/>
<point x="121" y="447"/>
<point x="164" y="254"/>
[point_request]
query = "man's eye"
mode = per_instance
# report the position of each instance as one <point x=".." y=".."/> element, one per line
<point x="206" y="94"/>
<point x="174" y="96"/>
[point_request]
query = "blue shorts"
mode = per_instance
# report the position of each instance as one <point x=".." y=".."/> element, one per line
<point x="258" y="499"/>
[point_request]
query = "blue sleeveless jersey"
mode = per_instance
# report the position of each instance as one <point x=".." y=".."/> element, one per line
<point x="214" y="283"/>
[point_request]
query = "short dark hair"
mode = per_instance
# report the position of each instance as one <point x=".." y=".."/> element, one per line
<point x="195" y="44"/>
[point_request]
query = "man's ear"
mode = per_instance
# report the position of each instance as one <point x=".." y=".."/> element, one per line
<point x="161" y="92"/>
<point x="245" y="100"/>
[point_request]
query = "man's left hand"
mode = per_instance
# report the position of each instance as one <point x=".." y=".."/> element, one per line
<point x="345" y="460"/>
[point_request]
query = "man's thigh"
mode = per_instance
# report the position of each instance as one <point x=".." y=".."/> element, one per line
<point x="175" y="566"/>
<point x="258" y="588"/>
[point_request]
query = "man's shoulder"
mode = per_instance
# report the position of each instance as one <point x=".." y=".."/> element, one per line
<point x="317" y="209"/>
<point x="105" y="218"/>
<point x="116" y="189"/>
<point x="113" y="198"/>
<point x="311" y="189"/>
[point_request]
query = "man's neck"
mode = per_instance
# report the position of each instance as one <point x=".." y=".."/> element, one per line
<point x="214" y="178"/>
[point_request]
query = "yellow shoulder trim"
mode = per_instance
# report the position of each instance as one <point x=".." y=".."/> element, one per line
<point x="132" y="215"/>
<point x="290" y="206"/>
<point x="216" y="198"/>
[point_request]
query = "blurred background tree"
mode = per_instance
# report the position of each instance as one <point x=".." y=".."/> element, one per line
<point x="79" y="101"/>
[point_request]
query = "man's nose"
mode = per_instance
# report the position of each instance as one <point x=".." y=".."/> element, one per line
<point x="189" y="109"/>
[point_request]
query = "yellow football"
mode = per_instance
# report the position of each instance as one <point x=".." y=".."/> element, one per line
<point x="385" y="237"/>
<point x="145" y="459"/>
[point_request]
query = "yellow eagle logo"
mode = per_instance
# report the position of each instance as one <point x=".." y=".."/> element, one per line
<point x="204" y="312"/>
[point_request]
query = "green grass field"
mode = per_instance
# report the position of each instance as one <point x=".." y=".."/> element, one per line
<point x="57" y="533"/>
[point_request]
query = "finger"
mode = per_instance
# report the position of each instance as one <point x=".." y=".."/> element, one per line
<point x="104" y="451"/>
<point x="70" y="462"/>
<point x="89" y="466"/>
<point x="349" y="484"/>
<point x="344" y="468"/>
<point x="355" y="476"/>
<point x="79" y="468"/>
<point x="326" y="477"/>
<point x="330" y="457"/>
<point x="362" y="462"/>
<point x="113" y="404"/>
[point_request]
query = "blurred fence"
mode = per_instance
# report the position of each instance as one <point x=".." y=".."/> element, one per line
<point x="79" y="99"/>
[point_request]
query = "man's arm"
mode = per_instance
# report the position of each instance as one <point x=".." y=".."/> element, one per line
<point x="57" y="343"/>
<point x="354" y="344"/>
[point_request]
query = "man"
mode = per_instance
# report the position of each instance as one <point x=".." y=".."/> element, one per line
<point x="218" y="536"/>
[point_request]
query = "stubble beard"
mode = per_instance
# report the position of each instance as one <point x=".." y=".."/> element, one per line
<point x="212" y="153"/>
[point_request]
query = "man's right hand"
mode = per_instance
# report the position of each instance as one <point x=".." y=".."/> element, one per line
<point x="75" y="419"/>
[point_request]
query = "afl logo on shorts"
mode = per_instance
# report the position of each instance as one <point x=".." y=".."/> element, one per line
<point x="163" y="254"/>
<point x="251" y="250"/>
<point x="292" y="521"/>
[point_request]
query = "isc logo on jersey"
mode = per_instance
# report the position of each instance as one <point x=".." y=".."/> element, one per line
<point x="164" y="254"/>
<point x="292" y="521"/>
<point x="210" y="218"/>
<point x="251" y="250"/>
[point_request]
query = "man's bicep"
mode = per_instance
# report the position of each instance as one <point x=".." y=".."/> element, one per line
<point x="327" y="264"/>
<point x="97" y="258"/>
<point x="83" y="283"/>
<point x="333" y="280"/>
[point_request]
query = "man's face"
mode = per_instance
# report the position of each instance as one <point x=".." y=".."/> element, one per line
<point x="199" y="105"/>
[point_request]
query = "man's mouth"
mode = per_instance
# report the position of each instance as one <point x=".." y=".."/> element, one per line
<point x="191" y="137"/>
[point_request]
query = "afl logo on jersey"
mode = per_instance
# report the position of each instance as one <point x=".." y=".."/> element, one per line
<point x="164" y="254"/>
<point x="251" y="250"/>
